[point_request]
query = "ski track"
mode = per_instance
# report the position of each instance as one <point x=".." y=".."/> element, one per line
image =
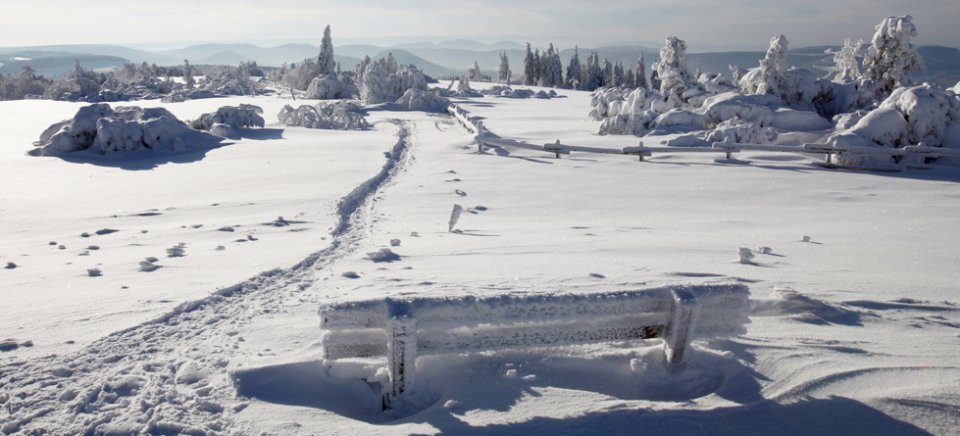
<point x="171" y="375"/>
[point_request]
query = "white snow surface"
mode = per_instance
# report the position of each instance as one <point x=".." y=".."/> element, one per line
<point x="855" y="329"/>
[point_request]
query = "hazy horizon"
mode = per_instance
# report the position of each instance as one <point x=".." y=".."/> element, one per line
<point x="704" y="26"/>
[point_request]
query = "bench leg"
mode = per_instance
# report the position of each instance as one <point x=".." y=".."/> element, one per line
<point x="686" y="310"/>
<point x="401" y="357"/>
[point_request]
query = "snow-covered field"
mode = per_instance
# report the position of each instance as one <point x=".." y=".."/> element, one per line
<point x="856" y="331"/>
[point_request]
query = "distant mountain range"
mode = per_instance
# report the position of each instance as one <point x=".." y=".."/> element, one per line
<point x="435" y="58"/>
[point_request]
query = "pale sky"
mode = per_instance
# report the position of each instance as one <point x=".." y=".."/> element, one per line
<point x="703" y="24"/>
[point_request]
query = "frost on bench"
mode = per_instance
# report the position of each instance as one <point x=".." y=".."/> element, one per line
<point x="400" y="328"/>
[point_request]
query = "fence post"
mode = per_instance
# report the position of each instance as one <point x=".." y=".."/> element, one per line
<point x="557" y="150"/>
<point x="640" y="152"/>
<point x="479" y="137"/>
<point x="686" y="311"/>
<point x="401" y="354"/>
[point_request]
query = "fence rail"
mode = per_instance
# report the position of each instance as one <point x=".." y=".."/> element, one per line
<point x="484" y="138"/>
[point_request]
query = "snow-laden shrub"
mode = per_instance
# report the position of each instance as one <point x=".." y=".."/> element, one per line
<point x="325" y="88"/>
<point x="238" y="117"/>
<point x="104" y="130"/>
<point x="737" y="131"/>
<point x="420" y="100"/>
<point x="384" y="80"/>
<point x="623" y="112"/>
<point x="340" y="115"/>
<point x="909" y="116"/>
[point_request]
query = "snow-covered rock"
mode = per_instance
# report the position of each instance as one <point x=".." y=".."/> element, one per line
<point x="103" y="129"/>
<point x="341" y="115"/>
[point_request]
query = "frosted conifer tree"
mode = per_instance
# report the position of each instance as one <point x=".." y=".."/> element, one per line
<point x="474" y="72"/>
<point x="573" y="69"/>
<point x="655" y="79"/>
<point x="629" y="79"/>
<point x="325" y="62"/>
<point x="529" y="68"/>
<point x="672" y="70"/>
<point x="593" y="74"/>
<point x="892" y="59"/>
<point x="845" y="60"/>
<point x="641" y="81"/>
<point x="504" y="68"/>
<point x="537" y="66"/>
<point x="607" y="74"/>
<point x="618" y="76"/>
<point x="188" y="75"/>
<point x="769" y="78"/>
<point x="551" y="68"/>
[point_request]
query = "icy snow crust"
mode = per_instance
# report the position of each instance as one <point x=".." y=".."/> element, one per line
<point x="854" y="326"/>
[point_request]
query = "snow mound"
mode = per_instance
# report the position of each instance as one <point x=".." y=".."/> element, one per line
<point x="238" y="117"/>
<point x="101" y="129"/>
<point x="341" y="115"/>
<point x="426" y="101"/>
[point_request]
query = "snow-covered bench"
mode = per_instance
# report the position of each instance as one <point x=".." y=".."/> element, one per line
<point x="401" y="328"/>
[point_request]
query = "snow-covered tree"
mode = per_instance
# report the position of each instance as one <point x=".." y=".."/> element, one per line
<point x="629" y="79"/>
<point x="655" y="82"/>
<point x="529" y="68"/>
<point x="641" y="81"/>
<point x="607" y="73"/>
<point x="592" y="74"/>
<point x="385" y="81"/>
<point x="537" y="66"/>
<point x="672" y="69"/>
<point x="553" y="68"/>
<point x="769" y="78"/>
<point x="475" y="73"/>
<point x="573" y="69"/>
<point x="891" y="59"/>
<point x="846" y="66"/>
<point x="504" y="68"/>
<point x="325" y="61"/>
<point x="618" y="75"/>
<point x="188" y="79"/>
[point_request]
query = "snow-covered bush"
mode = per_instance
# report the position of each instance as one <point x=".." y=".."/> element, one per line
<point x="238" y="117"/>
<point x="340" y="115"/>
<point x="332" y="87"/>
<point x="101" y="129"/>
<point x="425" y="101"/>
<point x="384" y="80"/>
<point x="891" y="59"/>
<point x="737" y="131"/>
<point x="909" y="116"/>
